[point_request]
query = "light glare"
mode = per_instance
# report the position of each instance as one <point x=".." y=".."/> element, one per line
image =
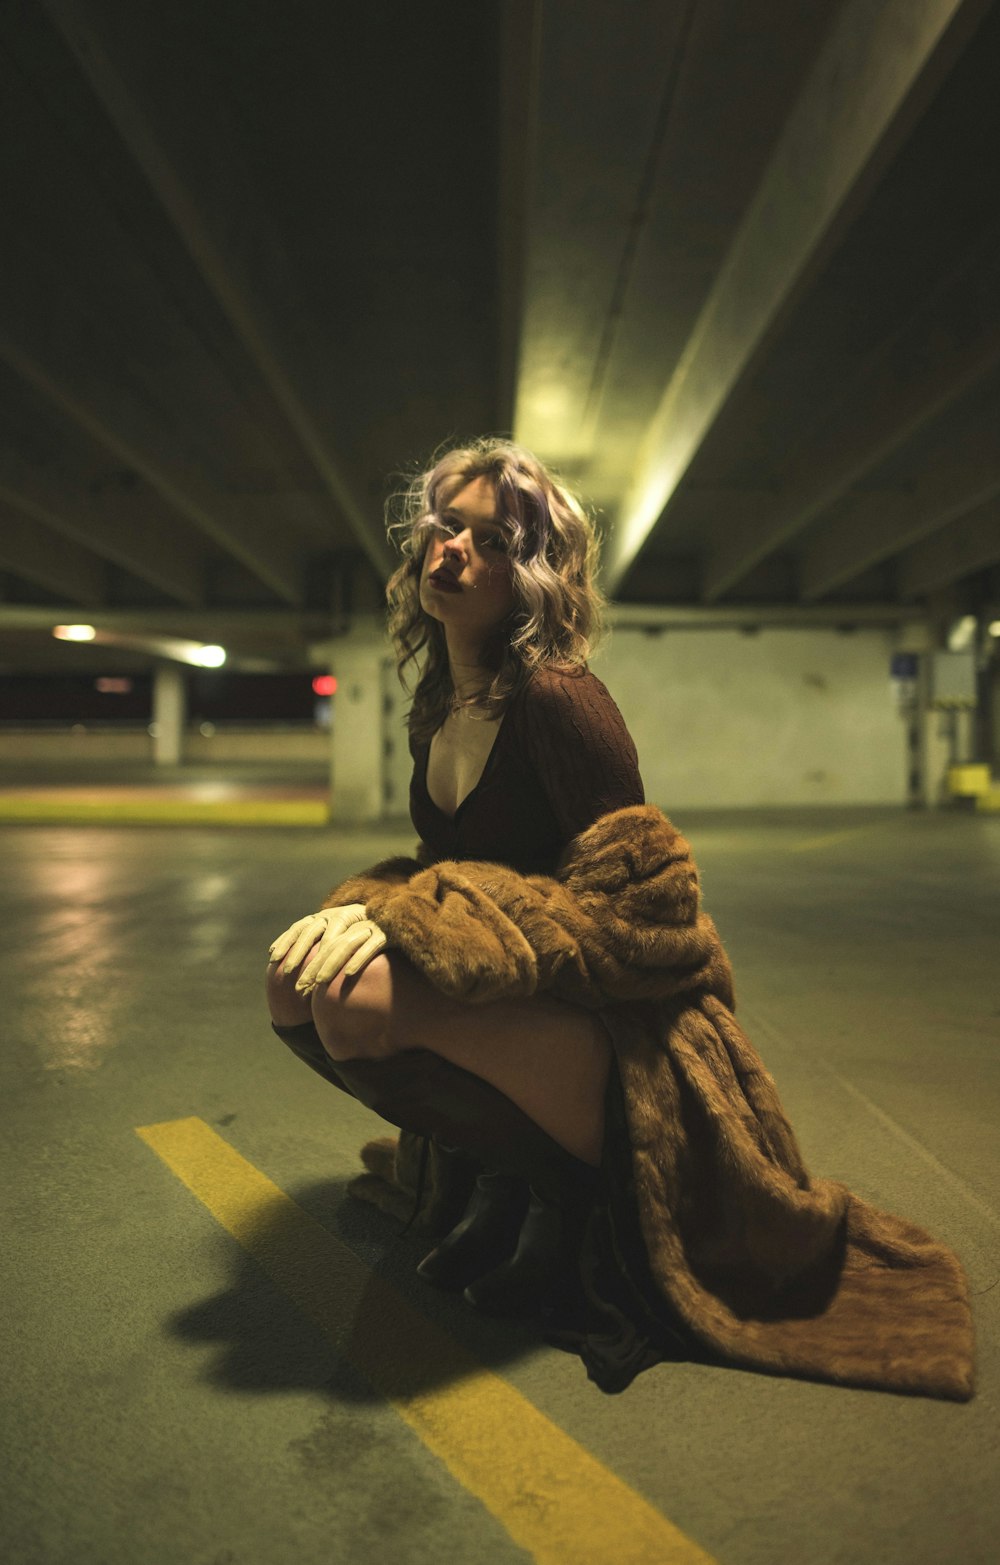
<point x="74" y="632"/>
<point x="209" y="657"/>
<point x="961" y="633"/>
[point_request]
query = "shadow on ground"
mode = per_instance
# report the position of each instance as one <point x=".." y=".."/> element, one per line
<point x="266" y="1342"/>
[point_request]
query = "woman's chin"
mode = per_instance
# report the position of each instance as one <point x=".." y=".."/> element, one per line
<point x="436" y="603"/>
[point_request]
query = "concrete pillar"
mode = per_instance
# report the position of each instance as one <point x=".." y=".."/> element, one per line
<point x="913" y="696"/>
<point x="169" y="713"/>
<point x="395" y="743"/>
<point x="357" y="783"/>
<point x="965" y="736"/>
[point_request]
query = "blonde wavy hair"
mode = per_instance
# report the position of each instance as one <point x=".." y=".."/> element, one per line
<point x="558" y="618"/>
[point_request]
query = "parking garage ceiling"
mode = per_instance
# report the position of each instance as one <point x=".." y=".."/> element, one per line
<point x="733" y="269"/>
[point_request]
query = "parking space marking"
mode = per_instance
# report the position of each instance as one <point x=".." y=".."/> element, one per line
<point x="555" y="1499"/>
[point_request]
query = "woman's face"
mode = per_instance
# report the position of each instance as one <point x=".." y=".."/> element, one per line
<point x="466" y="577"/>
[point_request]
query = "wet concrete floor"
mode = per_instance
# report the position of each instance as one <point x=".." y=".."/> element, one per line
<point x="173" y="1396"/>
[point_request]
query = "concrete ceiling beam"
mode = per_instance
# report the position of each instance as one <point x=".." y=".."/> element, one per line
<point x="872" y="78"/>
<point x="653" y="616"/>
<point x="113" y="526"/>
<point x="520" y="63"/>
<point x="209" y="624"/>
<point x="57" y="564"/>
<point x="953" y="346"/>
<point x="970" y="544"/>
<point x="224" y="253"/>
<point x="142" y="446"/>
<point x="875" y="525"/>
<point x="602" y="108"/>
<point x="120" y="373"/>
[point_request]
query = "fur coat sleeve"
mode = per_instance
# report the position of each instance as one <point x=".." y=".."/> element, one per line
<point x="619" y="920"/>
<point x="766" y="1265"/>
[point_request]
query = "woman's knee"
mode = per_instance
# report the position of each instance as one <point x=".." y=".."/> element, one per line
<point x="286" y="1005"/>
<point x="353" y="1015"/>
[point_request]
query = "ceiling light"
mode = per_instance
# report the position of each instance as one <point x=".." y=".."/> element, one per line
<point x="994" y="627"/>
<point x="961" y="633"/>
<point x="209" y="657"/>
<point x="74" y="632"/>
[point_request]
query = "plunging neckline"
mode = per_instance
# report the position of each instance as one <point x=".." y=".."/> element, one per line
<point x="451" y="819"/>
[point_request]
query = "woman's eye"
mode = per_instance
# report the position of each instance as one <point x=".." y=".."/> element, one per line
<point x="445" y="525"/>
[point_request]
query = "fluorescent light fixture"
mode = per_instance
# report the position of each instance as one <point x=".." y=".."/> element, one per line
<point x="74" y="632"/>
<point x="994" y="627"/>
<point x="209" y="657"/>
<point x="961" y="634"/>
<point x="198" y="653"/>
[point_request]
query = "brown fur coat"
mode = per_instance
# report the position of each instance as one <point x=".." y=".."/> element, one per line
<point x="765" y="1265"/>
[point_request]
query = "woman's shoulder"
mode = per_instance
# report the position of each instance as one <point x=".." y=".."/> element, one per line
<point x="571" y="707"/>
<point x="577" y="741"/>
<point x="564" y="690"/>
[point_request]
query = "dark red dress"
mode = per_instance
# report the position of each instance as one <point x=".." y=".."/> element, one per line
<point x="562" y="757"/>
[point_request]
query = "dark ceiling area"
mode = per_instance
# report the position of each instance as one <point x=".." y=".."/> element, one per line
<point x="733" y="270"/>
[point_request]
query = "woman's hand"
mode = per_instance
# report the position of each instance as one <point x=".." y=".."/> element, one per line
<point x="340" y="934"/>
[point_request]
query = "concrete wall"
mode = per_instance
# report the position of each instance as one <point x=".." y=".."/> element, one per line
<point x="398" y="766"/>
<point x="781" y="717"/>
<point x="68" y="746"/>
<point x="85" y="744"/>
<point x="278" y="745"/>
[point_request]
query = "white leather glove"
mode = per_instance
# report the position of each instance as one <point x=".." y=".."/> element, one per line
<point x="341" y="935"/>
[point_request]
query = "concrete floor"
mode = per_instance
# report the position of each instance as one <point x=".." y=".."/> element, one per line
<point x="168" y="1401"/>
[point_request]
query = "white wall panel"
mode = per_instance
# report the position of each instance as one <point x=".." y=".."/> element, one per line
<point x="781" y="717"/>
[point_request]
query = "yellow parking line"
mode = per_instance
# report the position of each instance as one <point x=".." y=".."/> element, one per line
<point x="555" y="1499"/>
<point x="163" y="812"/>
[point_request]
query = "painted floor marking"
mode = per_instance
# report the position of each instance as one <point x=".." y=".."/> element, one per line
<point x="163" y="812"/>
<point x="555" y="1499"/>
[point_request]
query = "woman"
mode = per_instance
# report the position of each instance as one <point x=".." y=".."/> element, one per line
<point x="498" y="581"/>
<point x="539" y="996"/>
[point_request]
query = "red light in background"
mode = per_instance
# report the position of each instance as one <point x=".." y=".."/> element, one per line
<point x="324" y="685"/>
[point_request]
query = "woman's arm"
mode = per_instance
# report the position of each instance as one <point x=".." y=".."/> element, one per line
<point x="620" y="920"/>
<point x="576" y="741"/>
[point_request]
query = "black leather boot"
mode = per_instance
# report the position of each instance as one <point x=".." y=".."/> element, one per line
<point x="454" y="1170"/>
<point x="546" y="1252"/>
<point x="486" y="1235"/>
<point x="452" y="1181"/>
<point x="419" y="1090"/>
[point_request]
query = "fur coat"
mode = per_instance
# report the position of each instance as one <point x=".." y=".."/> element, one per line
<point x="765" y="1265"/>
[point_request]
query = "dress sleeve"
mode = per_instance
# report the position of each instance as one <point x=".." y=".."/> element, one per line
<point x="577" y="742"/>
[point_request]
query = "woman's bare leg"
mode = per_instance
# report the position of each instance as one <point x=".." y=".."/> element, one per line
<point x="287" y="1008"/>
<point x="550" y="1057"/>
